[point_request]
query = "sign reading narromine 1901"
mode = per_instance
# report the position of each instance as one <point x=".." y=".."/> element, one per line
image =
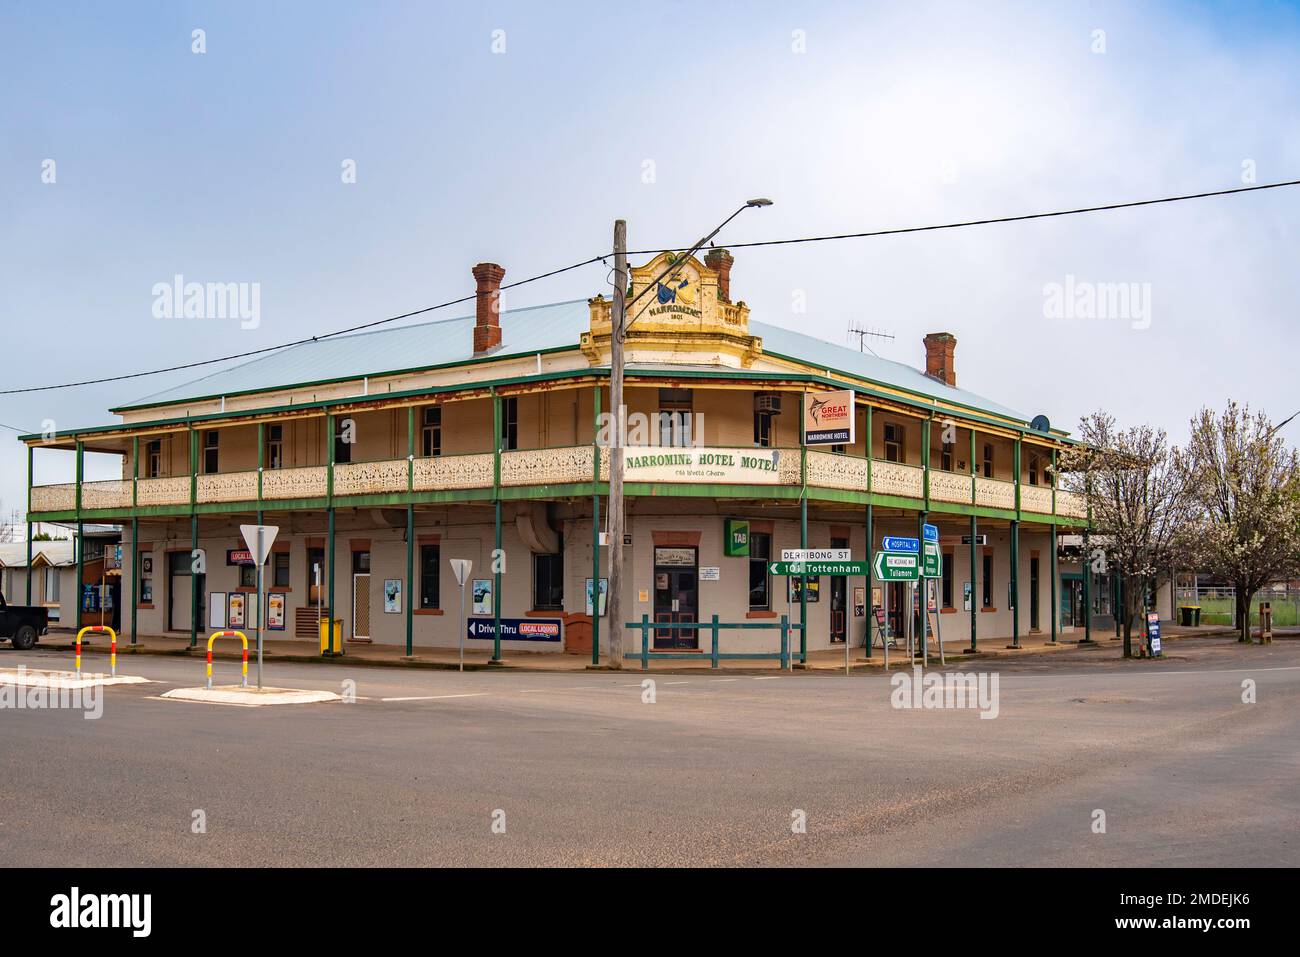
<point x="738" y="466"/>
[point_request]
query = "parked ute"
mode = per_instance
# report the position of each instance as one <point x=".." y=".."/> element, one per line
<point x="22" y="624"/>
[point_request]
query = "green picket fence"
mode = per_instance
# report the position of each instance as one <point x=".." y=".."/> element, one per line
<point x="715" y="627"/>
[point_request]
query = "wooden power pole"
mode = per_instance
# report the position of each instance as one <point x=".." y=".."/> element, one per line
<point x="617" y="313"/>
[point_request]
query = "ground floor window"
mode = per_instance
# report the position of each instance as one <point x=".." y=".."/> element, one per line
<point x="280" y="572"/>
<point x="760" y="553"/>
<point x="947" y="580"/>
<point x="986" y="599"/>
<point x="247" y="576"/>
<point x="52" y="586"/>
<point x="429" y="557"/>
<point x="548" y="581"/>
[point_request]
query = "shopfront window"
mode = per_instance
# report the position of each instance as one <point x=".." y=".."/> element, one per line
<point x="760" y="584"/>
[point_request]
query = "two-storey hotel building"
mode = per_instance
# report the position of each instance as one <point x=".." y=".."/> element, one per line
<point x="382" y="456"/>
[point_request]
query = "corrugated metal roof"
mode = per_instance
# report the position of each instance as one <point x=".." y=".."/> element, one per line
<point x="58" y="554"/>
<point x="385" y="351"/>
<point x="523" y="332"/>
<point x="818" y="352"/>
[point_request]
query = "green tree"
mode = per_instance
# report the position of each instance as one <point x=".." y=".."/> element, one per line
<point x="1246" y="492"/>
<point x="1139" y="504"/>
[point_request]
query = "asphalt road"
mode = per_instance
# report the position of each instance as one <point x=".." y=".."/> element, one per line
<point x="713" y="772"/>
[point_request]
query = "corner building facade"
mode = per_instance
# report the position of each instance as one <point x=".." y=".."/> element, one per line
<point x="383" y="456"/>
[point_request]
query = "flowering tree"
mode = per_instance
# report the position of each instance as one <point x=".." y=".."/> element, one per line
<point x="1246" y="491"/>
<point x="1139" y="501"/>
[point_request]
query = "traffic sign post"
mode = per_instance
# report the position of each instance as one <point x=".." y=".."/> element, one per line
<point x="259" y="539"/>
<point x="461" y="567"/>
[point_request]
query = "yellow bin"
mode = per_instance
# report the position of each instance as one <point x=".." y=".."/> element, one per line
<point x="331" y="636"/>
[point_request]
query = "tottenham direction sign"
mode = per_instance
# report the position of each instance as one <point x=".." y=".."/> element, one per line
<point x="896" y="566"/>
<point x="817" y="568"/>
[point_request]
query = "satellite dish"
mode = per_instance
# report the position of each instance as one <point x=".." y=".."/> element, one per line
<point x="1040" y="424"/>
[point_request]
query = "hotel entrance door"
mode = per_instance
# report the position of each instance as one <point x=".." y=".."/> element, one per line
<point x="677" y="597"/>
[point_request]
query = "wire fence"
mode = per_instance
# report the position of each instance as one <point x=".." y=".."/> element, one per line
<point x="1218" y="605"/>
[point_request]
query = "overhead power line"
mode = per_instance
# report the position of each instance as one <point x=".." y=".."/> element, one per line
<point x="297" y="342"/>
<point x="646" y="252"/>
<point x="986" y="222"/>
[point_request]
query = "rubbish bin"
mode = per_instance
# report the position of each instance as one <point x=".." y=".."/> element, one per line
<point x="1189" y="616"/>
<point x="331" y="636"/>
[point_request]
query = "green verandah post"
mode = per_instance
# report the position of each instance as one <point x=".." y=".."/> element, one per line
<point x="803" y="536"/>
<point x="868" y="610"/>
<point x="496" y="500"/>
<point x="194" y="537"/>
<point x="135" y="533"/>
<point x="81" y="538"/>
<point x="29" y="525"/>
<point x="409" y="610"/>
<point x="329" y="512"/>
<point x="974" y="578"/>
<point x="595" y="528"/>
<point x="974" y="611"/>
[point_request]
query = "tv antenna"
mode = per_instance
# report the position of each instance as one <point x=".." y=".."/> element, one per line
<point x="867" y="332"/>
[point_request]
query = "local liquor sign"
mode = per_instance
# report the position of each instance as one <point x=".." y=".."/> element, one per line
<point x="515" y="629"/>
<point x="737" y="466"/>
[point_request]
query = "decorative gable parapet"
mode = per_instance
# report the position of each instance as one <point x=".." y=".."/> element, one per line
<point x="678" y="317"/>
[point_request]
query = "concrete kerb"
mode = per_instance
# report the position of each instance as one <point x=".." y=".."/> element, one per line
<point x="249" y="697"/>
<point x="58" y="680"/>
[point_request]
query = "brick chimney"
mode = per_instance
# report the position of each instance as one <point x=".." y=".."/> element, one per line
<point x="939" y="362"/>
<point x="487" y="308"/>
<point x="721" y="260"/>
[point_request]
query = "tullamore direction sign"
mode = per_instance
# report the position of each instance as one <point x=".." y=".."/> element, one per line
<point x="896" y="566"/>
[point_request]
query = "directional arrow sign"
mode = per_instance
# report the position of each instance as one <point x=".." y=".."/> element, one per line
<point x="817" y="568"/>
<point x="931" y="561"/>
<point x="896" y="567"/>
<point x="896" y="543"/>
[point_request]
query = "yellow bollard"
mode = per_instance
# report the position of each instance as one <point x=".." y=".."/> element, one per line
<point x="228" y="634"/>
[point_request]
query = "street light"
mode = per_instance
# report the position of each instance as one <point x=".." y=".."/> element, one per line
<point x="621" y="329"/>
<point x="618" y="332"/>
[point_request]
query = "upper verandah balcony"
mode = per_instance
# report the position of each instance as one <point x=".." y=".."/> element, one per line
<point x="444" y="451"/>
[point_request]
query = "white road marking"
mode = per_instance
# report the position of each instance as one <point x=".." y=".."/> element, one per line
<point x="436" y="697"/>
<point x="767" y="678"/>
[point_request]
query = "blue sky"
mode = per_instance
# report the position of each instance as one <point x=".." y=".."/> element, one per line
<point x="225" y="167"/>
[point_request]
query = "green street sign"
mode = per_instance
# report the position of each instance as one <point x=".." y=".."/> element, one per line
<point x="932" y="561"/>
<point x="896" y="566"/>
<point x="817" y="568"/>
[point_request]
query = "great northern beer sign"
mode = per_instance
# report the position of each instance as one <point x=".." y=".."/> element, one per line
<point x="828" y="418"/>
<point x="732" y="466"/>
